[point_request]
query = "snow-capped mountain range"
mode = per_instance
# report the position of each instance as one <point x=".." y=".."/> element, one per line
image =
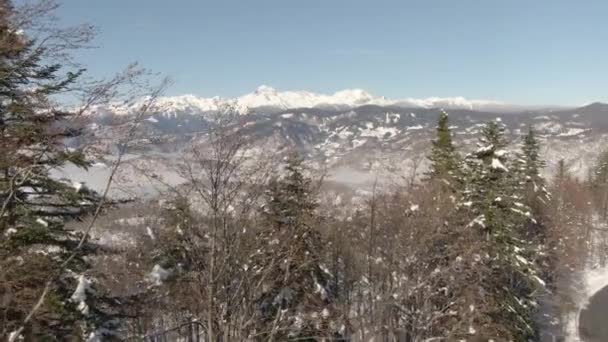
<point x="268" y="99"/>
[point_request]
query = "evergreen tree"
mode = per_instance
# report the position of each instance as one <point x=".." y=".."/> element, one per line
<point x="531" y="150"/>
<point x="530" y="189"/>
<point x="445" y="163"/>
<point x="560" y="180"/>
<point x="508" y="272"/>
<point x="562" y="173"/>
<point x="488" y="177"/>
<point x="600" y="175"/>
<point x="34" y="207"/>
<point x="295" y="302"/>
<point x="535" y="189"/>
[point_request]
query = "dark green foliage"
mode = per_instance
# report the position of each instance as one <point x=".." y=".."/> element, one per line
<point x="296" y="297"/>
<point x="291" y="202"/>
<point x="530" y="187"/>
<point x="30" y="235"/>
<point x="488" y="179"/>
<point x="562" y="174"/>
<point x="531" y="151"/>
<point x="530" y="164"/>
<point x="495" y="203"/>
<point x="176" y="243"/>
<point x="445" y="162"/>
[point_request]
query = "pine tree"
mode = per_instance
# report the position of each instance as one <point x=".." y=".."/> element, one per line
<point x="445" y="162"/>
<point x="530" y="187"/>
<point x="296" y="297"/>
<point x="562" y="173"/>
<point x="531" y="151"/>
<point x="561" y="178"/>
<point x="531" y="190"/>
<point x="487" y="177"/>
<point x="533" y="164"/>
<point x="599" y="184"/>
<point x="601" y="169"/>
<point x="34" y="206"/>
<point x="508" y="274"/>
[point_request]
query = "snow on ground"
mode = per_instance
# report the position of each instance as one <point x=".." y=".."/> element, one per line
<point x="158" y="275"/>
<point x="570" y="132"/>
<point x="114" y="239"/>
<point x="80" y="294"/>
<point x="358" y="142"/>
<point x="550" y="127"/>
<point x="379" y="132"/>
<point x="132" y="221"/>
<point x="593" y="279"/>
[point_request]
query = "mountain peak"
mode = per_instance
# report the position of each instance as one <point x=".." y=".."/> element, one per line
<point x="264" y="89"/>
<point x="597" y="108"/>
<point x="356" y="96"/>
<point x="596" y="105"/>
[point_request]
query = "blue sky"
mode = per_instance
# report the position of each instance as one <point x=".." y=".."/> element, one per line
<point x="518" y="51"/>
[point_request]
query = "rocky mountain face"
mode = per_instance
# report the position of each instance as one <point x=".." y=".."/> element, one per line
<point x="358" y="144"/>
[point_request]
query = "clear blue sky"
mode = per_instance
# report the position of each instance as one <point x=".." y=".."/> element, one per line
<point x="519" y="51"/>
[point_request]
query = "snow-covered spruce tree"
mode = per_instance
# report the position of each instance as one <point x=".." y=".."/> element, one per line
<point x="535" y="190"/>
<point x="533" y="200"/>
<point x="295" y="293"/>
<point x="507" y="272"/>
<point x="34" y="242"/>
<point x="445" y="162"/>
<point x="531" y="195"/>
